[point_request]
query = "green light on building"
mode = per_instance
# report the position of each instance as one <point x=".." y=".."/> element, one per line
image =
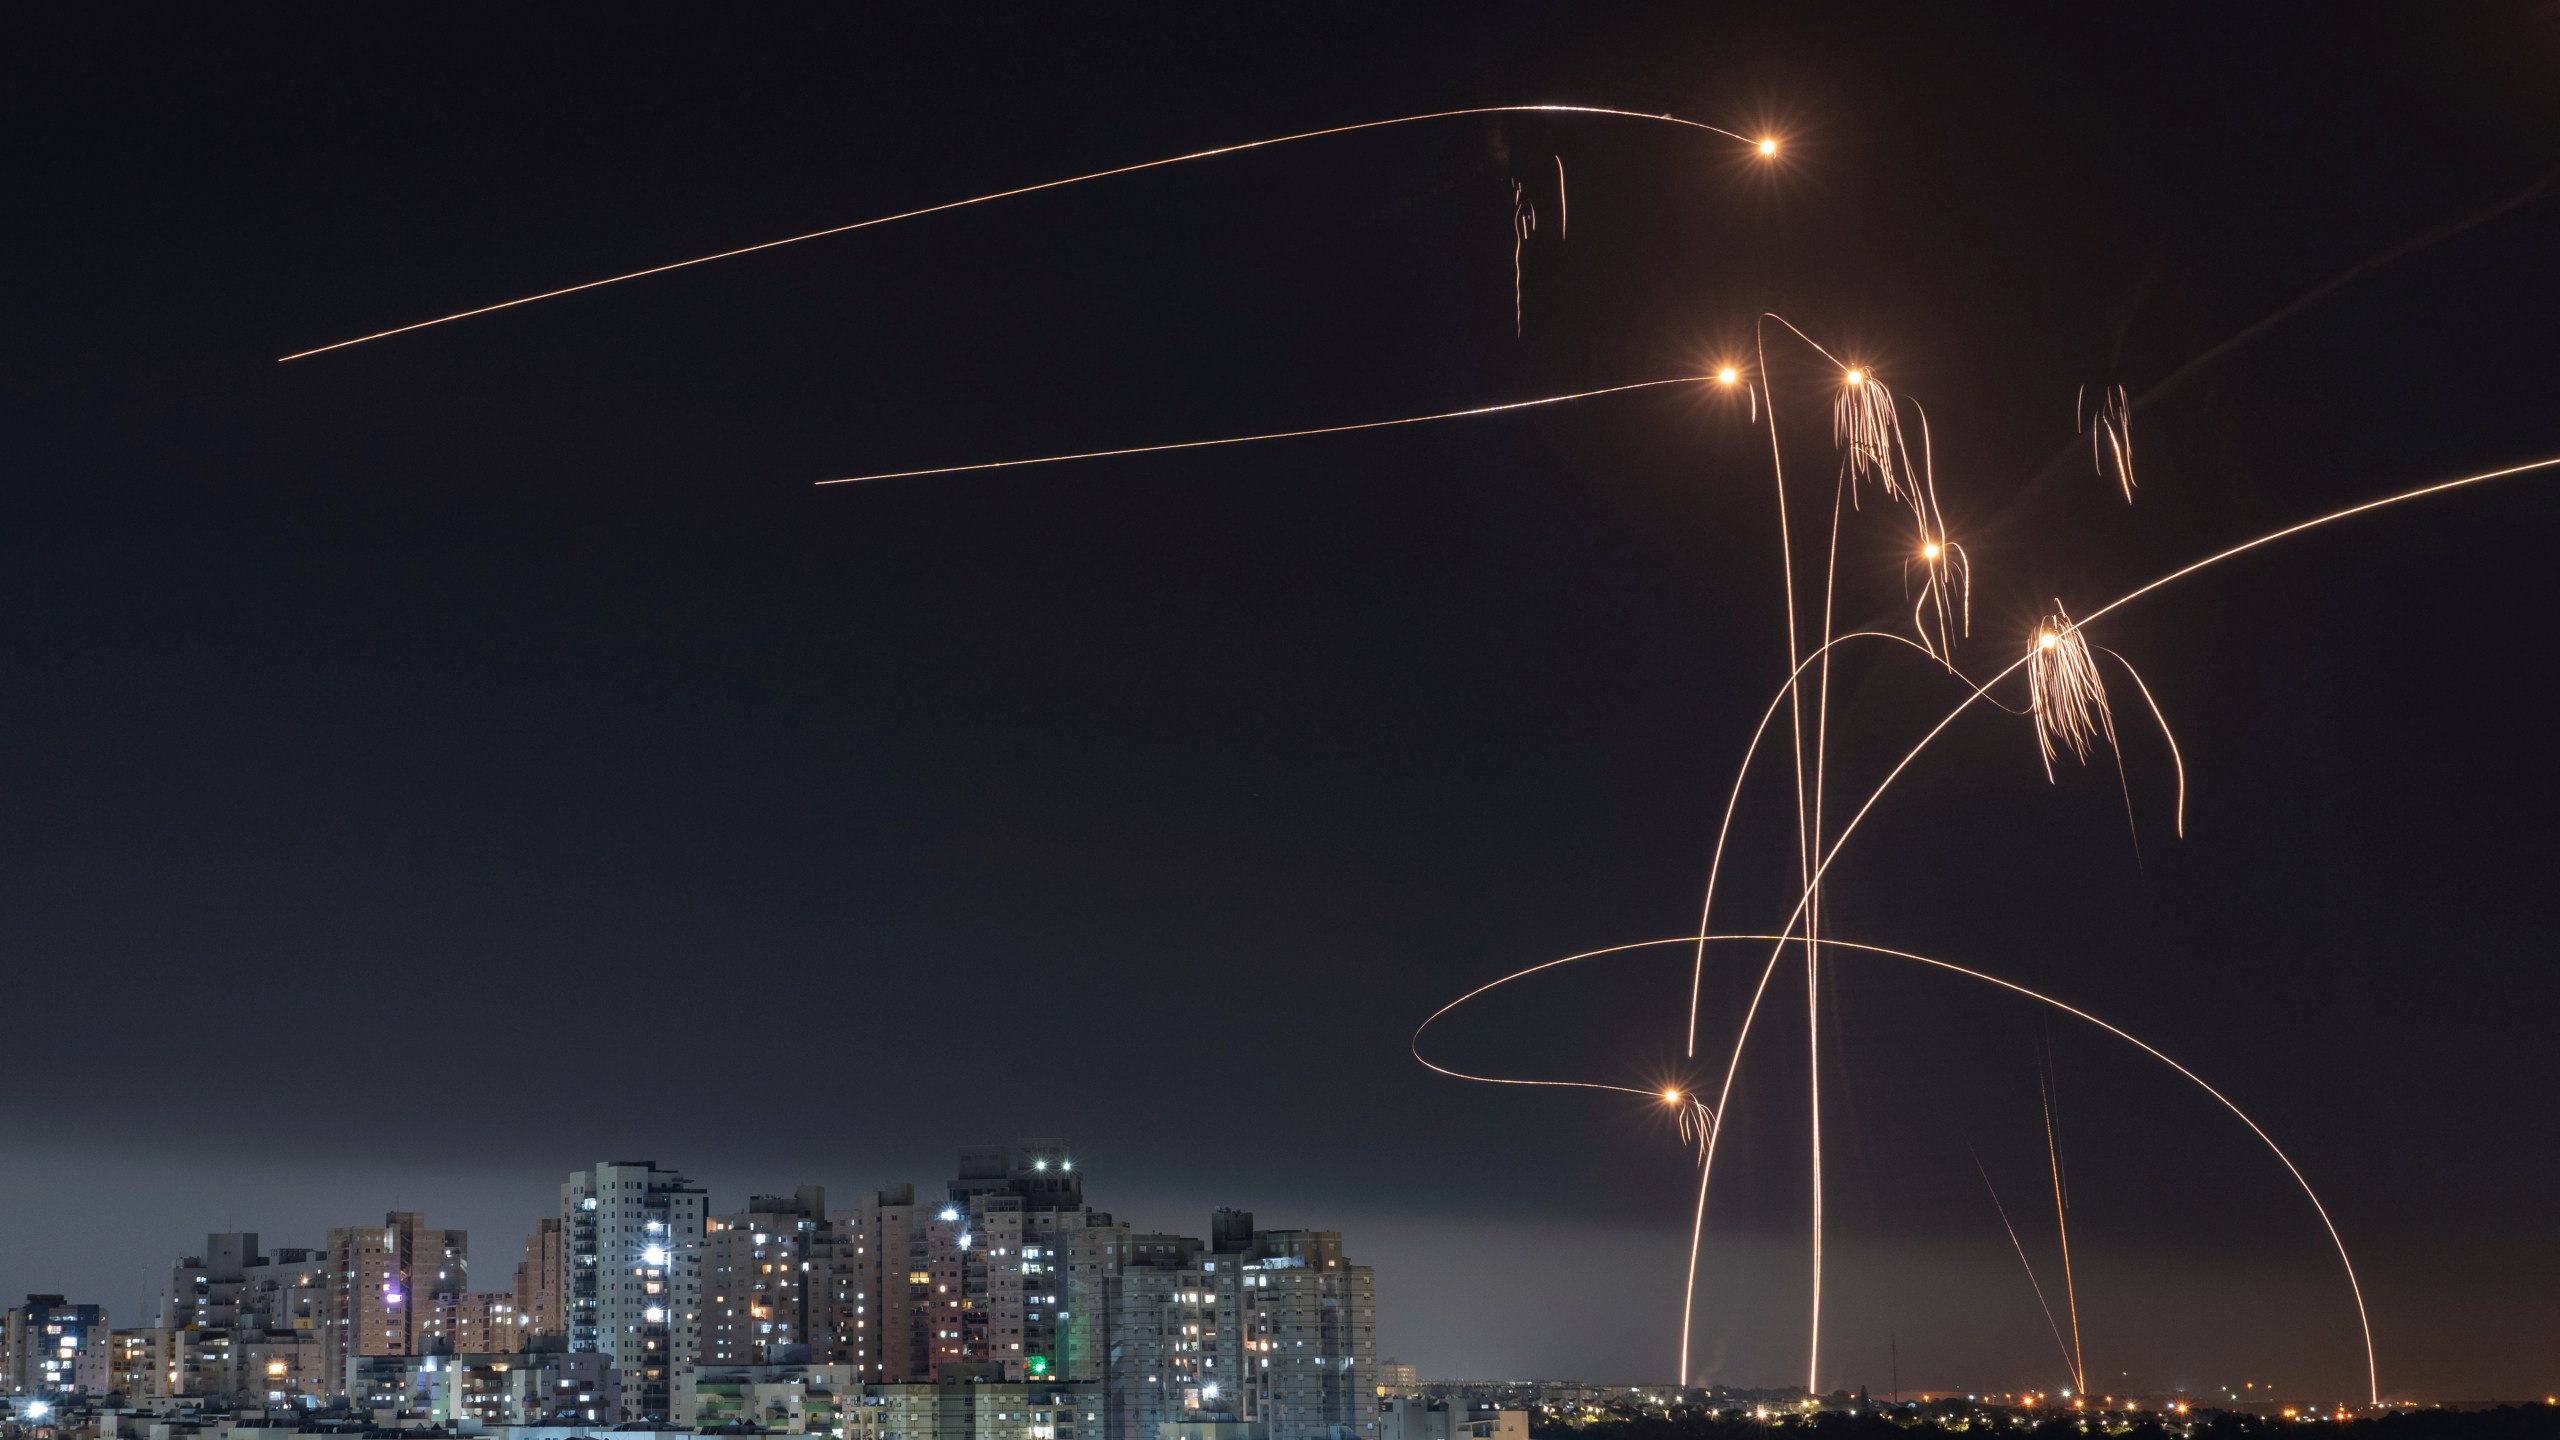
<point x="1039" y="1364"/>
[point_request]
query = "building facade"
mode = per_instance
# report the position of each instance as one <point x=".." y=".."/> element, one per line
<point x="1011" y="1279"/>
<point x="769" y="1275"/>
<point x="50" y="1347"/>
<point x="1413" y="1418"/>
<point x="393" y="1291"/>
<point x="481" y="1322"/>
<point x="523" y="1387"/>
<point x="632" y="1258"/>
<point x="542" y="1304"/>
<point x="1272" y="1327"/>
<point x="963" y="1406"/>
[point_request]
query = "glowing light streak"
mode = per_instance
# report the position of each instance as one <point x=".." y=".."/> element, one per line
<point x="1467" y="414"/>
<point x="1765" y="147"/>
<point x="1859" y="947"/>
<point x="1807" y="843"/>
<point x="2062" y="1226"/>
<point x="1524" y="222"/>
<point x="2112" y="426"/>
<point x="2032" y="1281"/>
<point x="1788" y="931"/>
<point x="2177" y="760"/>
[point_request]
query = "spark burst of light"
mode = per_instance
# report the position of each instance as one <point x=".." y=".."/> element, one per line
<point x="2065" y="693"/>
<point x="2111" y="438"/>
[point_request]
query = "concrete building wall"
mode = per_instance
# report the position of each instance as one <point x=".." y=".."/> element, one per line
<point x="636" y="1285"/>
<point x="541" y="1301"/>
<point x="763" y="1282"/>
<point x="50" y="1347"/>
<point x="960" y="1408"/>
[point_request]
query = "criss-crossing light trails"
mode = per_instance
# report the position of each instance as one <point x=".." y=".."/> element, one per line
<point x="2064" y="699"/>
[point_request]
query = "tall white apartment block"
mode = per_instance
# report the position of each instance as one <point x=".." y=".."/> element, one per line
<point x="632" y="1272"/>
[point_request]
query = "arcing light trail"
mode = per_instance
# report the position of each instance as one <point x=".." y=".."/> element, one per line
<point x="1760" y="145"/>
<point x="1858" y="947"/>
<point x="2065" y="700"/>
<point x="1467" y="414"/>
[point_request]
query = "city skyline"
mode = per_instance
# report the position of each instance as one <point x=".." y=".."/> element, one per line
<point x="637" y="1303"/>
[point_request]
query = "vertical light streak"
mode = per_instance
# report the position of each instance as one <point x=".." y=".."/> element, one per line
<point x="1523" y="220"/>
<point x="1795" y="725"/>
<point x="1813" y="934"/>
<point x="2062" y="1226"/>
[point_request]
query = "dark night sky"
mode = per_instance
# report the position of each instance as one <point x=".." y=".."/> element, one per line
<point x="433" y="767"/>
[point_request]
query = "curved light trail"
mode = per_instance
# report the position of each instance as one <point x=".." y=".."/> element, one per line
<point x="1467" y="414"/>
<point x="2337" y="1241"/>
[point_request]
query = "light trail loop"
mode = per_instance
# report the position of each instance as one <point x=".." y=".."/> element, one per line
<point x="1986" y="977"/>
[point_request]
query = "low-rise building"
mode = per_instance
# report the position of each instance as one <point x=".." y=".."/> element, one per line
<point x="523" y="1387"/>
<point x="786" y="1398"/>
<point x="960" y="1407"/>
<point x="1415" y="1419"/>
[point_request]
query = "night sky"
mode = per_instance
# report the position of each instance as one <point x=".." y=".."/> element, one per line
<point x="433" y="767"/>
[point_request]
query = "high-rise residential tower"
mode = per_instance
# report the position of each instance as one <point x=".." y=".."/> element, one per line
<point x="392" y="1289"/>
<point x="542" y="1300"/>
<point x="784" y="1275"/>
<point x="632" y="1267"/>
<point x="1274" y="1327"/>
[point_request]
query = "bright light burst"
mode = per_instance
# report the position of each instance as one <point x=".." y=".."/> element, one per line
<point x="2064" y="692"/>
